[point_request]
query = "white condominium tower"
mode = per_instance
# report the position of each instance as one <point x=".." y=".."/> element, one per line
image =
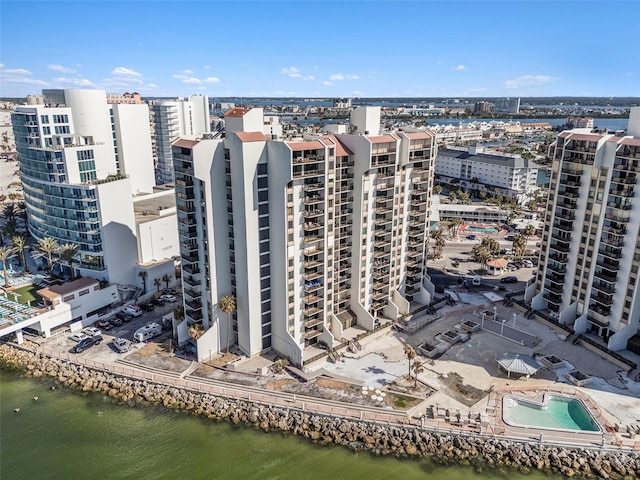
<point x="81" y="161"/>
<point x="173" y="119"/>
<point x="591" y="245"/>
<point x="313" y="237"/>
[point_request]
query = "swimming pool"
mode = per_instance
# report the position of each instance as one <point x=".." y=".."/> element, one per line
<point x="477" y="228"/>
<point x="556" y="412"/>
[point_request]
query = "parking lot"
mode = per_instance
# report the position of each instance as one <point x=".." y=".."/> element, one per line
<point x="105" y="352"/>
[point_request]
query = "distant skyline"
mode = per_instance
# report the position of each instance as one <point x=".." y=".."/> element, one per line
<point x="322" y="49"/>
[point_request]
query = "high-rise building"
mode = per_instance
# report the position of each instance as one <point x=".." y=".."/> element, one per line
<point x="82" y="161"/>
<point x="173" y="119"/>
<point x="590" y="259"/>
<point x="312" y="237"/>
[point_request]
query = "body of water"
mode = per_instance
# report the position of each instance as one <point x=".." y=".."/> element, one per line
<point x="67" y="434"/>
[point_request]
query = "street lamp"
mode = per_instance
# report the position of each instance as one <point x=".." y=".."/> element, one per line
<point x="514" y="320"/>
<point x="502" y="328"/>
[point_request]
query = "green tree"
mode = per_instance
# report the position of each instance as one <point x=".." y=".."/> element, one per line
<point x="196" y="330"/>
<point x="418" y="368"/>
<point x="19" y="243"/>
<point x="438" y="244"/>
<point x="178" y="313"/>
<point x="491" y="244"/>
<point x="452" y="196"/>
<point x="48" y="246"/>
<point x="410" y="353"/>
<point x="157" y="282"/>
<point x="481" y="255"/>
<point x="166" y="279"/>
<point x="143" y="275"/>
<point x="465" y="198"/>
<point x="437" y="189"/>
<point x="454" y="225"/>
<point x="528" y="232"/>
<point x="227" y="304"/>
<point x="5" y="254"/>
<point x="68" y="253"/>
<point x="519" y="245"/>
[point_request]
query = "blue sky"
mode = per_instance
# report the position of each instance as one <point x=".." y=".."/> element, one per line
<point x="323" y="49"/>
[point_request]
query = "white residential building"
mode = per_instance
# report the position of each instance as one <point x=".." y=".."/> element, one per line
<point x="173" y="119"/>
<point x="590" y="258"/>
<point x="312" y="237"/>
<point x="81" y="161"/>
<point x="478" y="170"/>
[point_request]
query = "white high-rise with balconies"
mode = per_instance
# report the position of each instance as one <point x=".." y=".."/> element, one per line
<point x="173" y="119"/>
<point x="590" y="260"/>
<point x="82" y="162"/>
<point x="313" y="237"/>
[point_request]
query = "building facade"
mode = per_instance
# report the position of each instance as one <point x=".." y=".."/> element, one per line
<point x="311" y="237"/>
<point x="172" y="119"/>
<point x="588" y="274"/>
<point x="81" y="162"/>
<point x="477" y="171"/>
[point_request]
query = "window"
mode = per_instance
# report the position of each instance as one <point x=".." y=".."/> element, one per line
<point x="262" y="169"/>
<point x="44" y="118"/>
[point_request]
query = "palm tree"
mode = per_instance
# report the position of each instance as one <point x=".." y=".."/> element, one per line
<point x="196" y="331"/>
<point x="227" y="304"/>
<point x="48" y="245"/>
<point x="143" y="276"/>
<point x="3" y="198"/>
<point x="439" y="244"/>
<point x="411" y="354"/>
<point x="19" y="242"/>
<point x="417" y="369"/>
<point x="519" y="245"/>
<point x="491" y="244"/>
<point x="5" y="254"/>
<point x="454" y="225"/>
<point x="68" y="252"/>
<point x="482" y="255"/>
<point x="437" y="189"/>
<point x="528" y="231"/>
<point x="156" y="283"/>
<point x="178" y="313"/>
<point x="167" y="279"/>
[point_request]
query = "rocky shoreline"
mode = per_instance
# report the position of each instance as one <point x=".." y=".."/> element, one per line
<point x="380" y="439"/>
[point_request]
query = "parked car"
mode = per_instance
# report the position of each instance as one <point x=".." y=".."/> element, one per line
<point x="170" y="291"/>
<point x="528" y="263"/>
<point x="86" y="343"/>
<point x="78" y="337"/>
<point x="124" y="317"/>
<point x="115" y="321"/>
<point x="513" y="266"/>
<point x="156" y="301"/>
<point x="471" y="237"/>
<point x="168" y="298"/>
<point x="133" y="310"/>
<point x="510" y="279"/>
<point x="103" y="325"/>
<point x="91" y="331"/>
<point x="122" y="345"/>
<point x="147" y="307"/>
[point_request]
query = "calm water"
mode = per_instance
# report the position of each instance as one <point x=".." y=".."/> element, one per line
<point x="70" y="435"/>
<point x="560" y="412"/>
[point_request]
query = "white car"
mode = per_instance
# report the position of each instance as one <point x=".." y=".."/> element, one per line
<point x="76" y="337"/>
<point x="528" y="263"/>
<point x="133" y="310"/>
<point x="91" y="331"/>
<point x="168" y="298"/>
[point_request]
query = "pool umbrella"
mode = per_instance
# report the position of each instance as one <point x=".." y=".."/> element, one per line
<point x="518" y="363"/>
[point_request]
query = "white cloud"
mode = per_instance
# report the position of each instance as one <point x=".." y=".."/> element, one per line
<point x="357" y="92"/>
<point x="295" y="75"/>
<point x="290" y="71"/>
<point x="125" y="72"/>
<point x="459" y="68"/>
<point x="192" y="80"/>
<point x="212" y="80"/>
<point x="152" y="85"/>
<point x="328" y="84"/>
<point x="76" y="82"/>
<point x="529" y="80"/>
<point x="16" y="71"/>
<point x="340" y="76"/>
<point x="187" y="71"/>
<point x="60" y="68"/>
<point x="1" y="65"/>
<point x="179" y="76"/>
<point x="309" y="77"/>
<point x="207" y="67"/>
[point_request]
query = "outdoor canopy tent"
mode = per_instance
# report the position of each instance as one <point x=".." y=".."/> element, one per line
<point x="518" y="363"/>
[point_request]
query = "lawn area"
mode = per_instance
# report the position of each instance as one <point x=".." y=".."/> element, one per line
<point x="27" y="294"/>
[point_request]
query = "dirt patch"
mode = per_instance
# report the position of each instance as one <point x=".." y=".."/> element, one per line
<point x="466" y="394"/>
<point x="280" y="384"/>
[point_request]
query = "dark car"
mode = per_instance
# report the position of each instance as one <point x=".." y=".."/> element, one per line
<point x="89" y="342"/>
<point x="156" y="301"/>
<point x="124" y="317"/>
<point x="115" y="321"/>
<point x="103" y="325"/>
<point x="147" y="307"/>
<point x="509" y="280"/>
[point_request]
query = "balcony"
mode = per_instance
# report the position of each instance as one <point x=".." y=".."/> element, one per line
<point x="604" y="287"/>
<point x="556" y="278"/>
<point x="612" y="266"/>
<point x="310" y="312"/>
<point x="312" y="323"/>
<point x="381" y="187"/>
<point x="312" y="275"/>
<point x="312" y="213"/>
<point x="413" y="253"/>
<point x="312" y="264"/>
<point x="598" y="319"/>
<point x="615" y="229"/>
<point x="379" y="295"/>
<point x="308" y="159"/>
<point x="380" y="253"/>
<point x="622" y="192"/>
<point x="380" y="199"/>
<point x="312" y="334"/>
<point x="607" y="276"/>
<point x="192" y="293"/>
<point x="380" y="274"/>
<point x="312" y="200"/>
<point x="189" y="280"/>
<point x="605" y="301"/>
<point x="195" y="305"/>
<point x="382" y="220"/>
<point x="311" y="287"/>
<point x="611" y="253"/>
<point x="560" y="247"/>
<point x="310" y="226"/>
<point x="552" y="298"/>
<point x="563" y="225"/>
<point x="312" y="252"/>
<point x="378" y="305"/>
<point x="554" y="288"/>
<point x="312" y="187"/>
<point x="625" y="180"/>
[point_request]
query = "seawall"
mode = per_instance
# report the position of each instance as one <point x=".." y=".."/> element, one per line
<point x="378" y="438"/>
